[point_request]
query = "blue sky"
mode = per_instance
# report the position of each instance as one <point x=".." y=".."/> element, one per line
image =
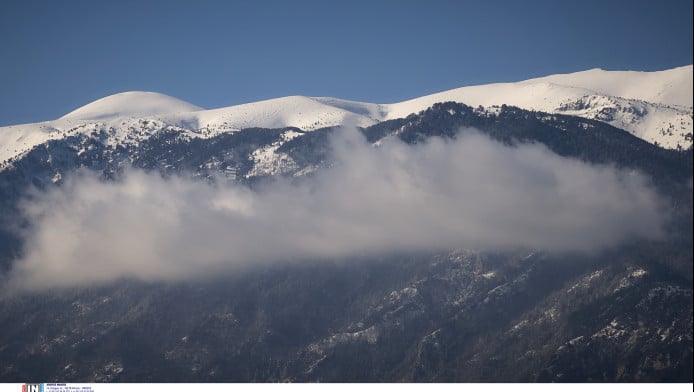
<point x="59" y="55"/>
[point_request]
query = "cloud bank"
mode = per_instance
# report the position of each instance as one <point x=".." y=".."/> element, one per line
<point x="468" y="193"/>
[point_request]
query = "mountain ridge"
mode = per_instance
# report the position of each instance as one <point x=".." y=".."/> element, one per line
<point x="591" y="94"/>
<point x="622" y="84"/>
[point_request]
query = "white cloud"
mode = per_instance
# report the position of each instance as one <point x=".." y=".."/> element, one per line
<point x="471" y="192"/>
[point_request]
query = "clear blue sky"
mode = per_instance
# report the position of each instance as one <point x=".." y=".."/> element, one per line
<point x="58" y="55"/>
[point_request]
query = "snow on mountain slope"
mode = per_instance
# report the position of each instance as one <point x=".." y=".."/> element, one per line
<point x="667" y="122"/>
<point x="131" y="104"/>
<point x="118" y="113"/>
<point x="655" y="106"/>
<point x="295" y="111"/>
<point x="669" y="87"/>
<point x="121" y="117"/>
<point x="539" y="96"/>
<point x="15" y="140"/>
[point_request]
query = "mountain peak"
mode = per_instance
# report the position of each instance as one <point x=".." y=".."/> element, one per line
<point x="668" y="87"/>
<point x="129" y="104"/>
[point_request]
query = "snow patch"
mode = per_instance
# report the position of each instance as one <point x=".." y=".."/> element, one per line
<point x="611" y="331"/>
<point x="632" y="277"/>
<point x="267" y="161"/>
<point x="586" y="281"/>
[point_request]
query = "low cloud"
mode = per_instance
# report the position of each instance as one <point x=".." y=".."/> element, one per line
<point x="468" y="193"/>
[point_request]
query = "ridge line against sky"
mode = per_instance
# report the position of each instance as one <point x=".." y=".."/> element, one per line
<point x="58" y="56"/>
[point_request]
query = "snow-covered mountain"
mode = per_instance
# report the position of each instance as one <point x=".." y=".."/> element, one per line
<point x="454" y="315"/>
<point x="655" y="106"/>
